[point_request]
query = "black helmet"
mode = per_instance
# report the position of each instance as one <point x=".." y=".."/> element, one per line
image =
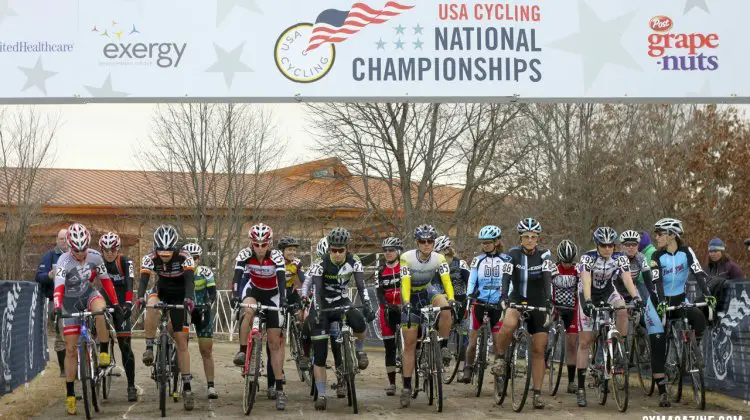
<point x="286" y="242"/>
<point x="338" y="237"/>
<point x="165" y="238"/>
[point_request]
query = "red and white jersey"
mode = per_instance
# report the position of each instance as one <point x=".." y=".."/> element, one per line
<point x="262" y="271"/>
<point x="389" y="282"/>
<point x="75" y="278"/>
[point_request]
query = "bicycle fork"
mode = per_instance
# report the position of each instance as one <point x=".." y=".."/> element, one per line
<point x="254" y="332"/>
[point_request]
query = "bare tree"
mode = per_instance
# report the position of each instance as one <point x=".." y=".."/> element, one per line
<point x="26" y="146"/>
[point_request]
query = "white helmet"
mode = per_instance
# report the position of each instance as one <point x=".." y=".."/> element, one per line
<point x="322" y="248"/>
<point x="165" y="238"/>
<point x="670" y="225"/>
<point x="630" y="236"/>
<point x="78" y="237"/>
<point x="442" y="243"/>
<point x="110" y="240"/>
<point x="193" y="249"/>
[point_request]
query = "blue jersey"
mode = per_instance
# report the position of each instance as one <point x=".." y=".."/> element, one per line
<point x="487" y="274"/>
<point x="671" y="271"/>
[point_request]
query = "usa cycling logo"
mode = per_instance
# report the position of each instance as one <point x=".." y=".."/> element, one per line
<point x="681" y="51"/>
<point x="305" y="52"/>
<point x="125" y="45"/>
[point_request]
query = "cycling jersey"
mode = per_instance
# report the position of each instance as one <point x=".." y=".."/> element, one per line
<point x="531" y="276"/>
<point x="603" y="272"/>
<point x="73" y="278"/>
<point x="388" y="284"/>
<point x="175" y="275"/>
<point x="564" y="286"/>
<point x="488" y="274"/>
<point x="121" y="272"/>
<point x="459" y="272"/>
<point x="416" y="274"/>
<point x="293" y="269"/>
<point x="332" y="280"/>
<point x="670" y="271"/>
<point x="307" y="284"/>
<point x="267" y="273"/>
<point x="205" y="286"/>
<point x="638" y="265"/>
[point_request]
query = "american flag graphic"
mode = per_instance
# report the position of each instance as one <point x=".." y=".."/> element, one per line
<point x="338" y="25"/>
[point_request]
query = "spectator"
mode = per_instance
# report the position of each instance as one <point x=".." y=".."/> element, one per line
<point x="45" y="276"/>
<point x="719" y="263"/>
<point x="645" y="247"/>
<point x="747" y="243"/>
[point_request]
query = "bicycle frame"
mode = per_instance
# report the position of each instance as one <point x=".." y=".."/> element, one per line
<point x="605" y="326"/>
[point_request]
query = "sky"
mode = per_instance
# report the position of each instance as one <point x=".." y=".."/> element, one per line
<point x="110" y="136"/>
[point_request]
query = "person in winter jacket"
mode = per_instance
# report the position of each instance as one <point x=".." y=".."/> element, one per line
<point x="720" y="264"/>
<point x="45" y="276"/>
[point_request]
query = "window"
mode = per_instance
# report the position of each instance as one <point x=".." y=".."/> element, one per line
<point x="322" y="173"/>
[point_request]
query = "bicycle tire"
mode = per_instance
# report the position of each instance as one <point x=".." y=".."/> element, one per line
<point x="673" y="368"/>
<point x="453" y="342"/>
<point x="251" y="381"/>
<point x="600" y="383"/>
<point x="523" y="347"/>
<point x="437" y="371"/>
<point x="106" y="379"/>
<point x="695" y="365"/>
<point x="555" y="371"/>
<point x="480" y="360"/>
<point x="84" y="363"/>
<point x="501" y="384"/>
<point x="94" y="377"/>
<point x="640" y="354"/>
<point x="163" y="373"/>
<point x="417" y="364"/>
<point x="620" y="374"/>
<point x="175" y="371"/>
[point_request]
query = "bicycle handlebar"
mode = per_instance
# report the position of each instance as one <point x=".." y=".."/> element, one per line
<point x="162" y="305"/>
<point x="258" y="306"/>
<point x="529" y="308"/>
<point x="88" y="313"/>
<point x="341" y="308"/>
<point x="688" y="305"/>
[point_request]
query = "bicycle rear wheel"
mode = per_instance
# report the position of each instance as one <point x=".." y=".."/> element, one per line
<point x="252" y="374"/>
<point x="480" y="360"/>
<point x="673" y="368"/>
<point x="619" y="373"/>
<point x="454" y="347"/>
<point x="520" y="372"/>
<point x="85" y="366"/>
<point x="436" y="368"/>
<point x="640" y="356"/>
<point x="600" y="357"/>
<point x="555" y="358"/>
<point x="163" y="373"/>
<point x="694" y="367"/>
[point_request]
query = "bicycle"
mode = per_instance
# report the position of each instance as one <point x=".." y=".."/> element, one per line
<point x="519" y="350"/>
<point x="639" y="352"/>
<point x="349" y="365"/>
<point x="251" y="371"/>
<point x="684" y="354"/>
<point x="166" y="370"/>
<point x="429" y="363"/>
<point x="397" y="335"/>
<point x="612" y="363"/>
<point x="294" y="332"/>
<point x="484" y="335"/>
<point x="555" y="353"/>
<point x="88" y="362"/>
<point x="458" y="342"/>
<point x="106" y="373"/>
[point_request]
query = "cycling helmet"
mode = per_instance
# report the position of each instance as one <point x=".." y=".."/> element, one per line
<point x="393" y="242"/>
<point x="165" y="238"/>
<point x="442" y="243"/>
<point x="567" y="251"/>
<point x="425" y="232"/>
<point x="670" y="225"/>
<point x="605" y="235"/>
<point x="529" y="225"/>
<point x="78" y="237"/>
<point x="338" y="237"/>
<point x="260" y="234"/>
<point x="630" y="236"/>
<point x="490" y="232"/>
<point x="110" y="240"/>
<point x="322" y="247"/>
<point x="193" y="249"/>
<point x="286" y="242"/>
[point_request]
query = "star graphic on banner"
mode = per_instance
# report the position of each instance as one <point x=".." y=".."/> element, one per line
<point x="418" y="29"/>
<point x="36" y="76"/>
<point x="399" y="29"/>
<point x="224" y="7"/>
<point x="598" y="42"/>
<point x="417" y="44"/>
<point x="399" y="44"/>
<point x="692" y="4"/>
<point x="139" y="5"/>
<point x="5" y="10"/>
<point x="705" y="91"/>
<point x="380" y="44"/>
<point x="229" y="63"/>
<point x="105" y="91"/>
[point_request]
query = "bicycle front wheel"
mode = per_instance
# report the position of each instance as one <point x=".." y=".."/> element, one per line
<point x="454" y="345"/>
<point x="84" y="362"/>
<point x="673" y="368"/>
<point x="520" y="371"/>
<point x="640" y="356"/>
<point x="480" y="362"/>
<point x="163" y="373"/>
<point x="694" y="366"/>
<point x="619" y="373"/>
<point x="252" y="374"/>
<point x="436" y="373"/>
<point x="554" y="358"/>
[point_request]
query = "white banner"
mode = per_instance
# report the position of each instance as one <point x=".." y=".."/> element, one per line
<point x="266" y="50"/>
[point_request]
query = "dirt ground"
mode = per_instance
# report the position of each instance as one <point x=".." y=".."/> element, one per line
<point x="44" y="398"/>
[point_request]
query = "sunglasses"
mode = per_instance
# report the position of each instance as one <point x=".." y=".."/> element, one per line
<point x="109" y="250"/>
<point x="426" y="241"/>
<point x="389" y="250"/>
<point x="661" y="233"/>
<point x="630" y="244"/>
<point x="337" y="250"/>
<point x="263" y="245"/>
<point x="607" y="245"/>
<point x="530" y="237"/>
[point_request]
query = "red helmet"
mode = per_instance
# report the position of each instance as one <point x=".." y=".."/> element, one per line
<point x="260" y="234"/>
<point x="110" y="240"/>
<point x="78" y="237"/>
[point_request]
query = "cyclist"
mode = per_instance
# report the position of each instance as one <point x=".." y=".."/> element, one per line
<point x="74" y="274"/>
<point x="599" y="270"/>
<point x="205" y="295"/>
<point x="418" y="267"/>
<point x="331" y="277"/>
<point x="532" y="274"/>
<point x="671" y="265"/>
<point x="267" y="286"/>
<point x="174" y="286"/>
<point x="388" y="285"/>
<point x="120" y="270"/>
<point x="489" y="271"/>
<point x="564" y="290"/>
<point x="459" y="273"/>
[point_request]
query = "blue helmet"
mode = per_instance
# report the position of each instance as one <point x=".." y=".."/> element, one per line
<point x="529" y="225"/>
<point x="490" y="232"/>
<point x="605" y="235"/>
